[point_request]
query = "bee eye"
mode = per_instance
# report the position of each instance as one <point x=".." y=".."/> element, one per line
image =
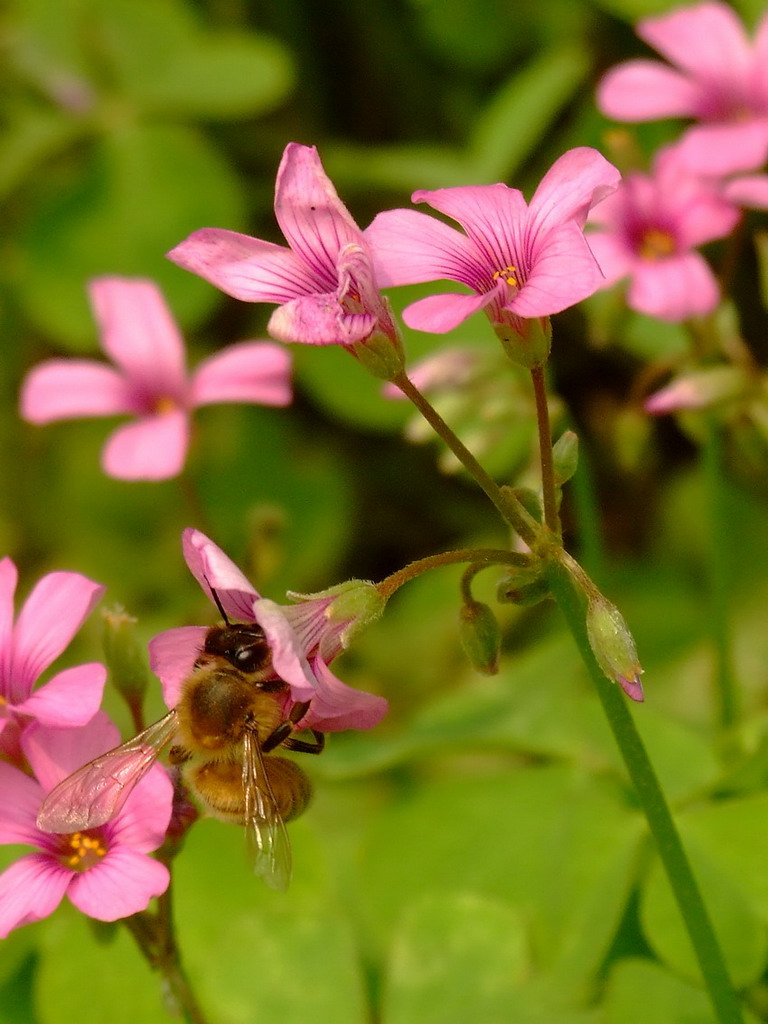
<point x="248" y="658"/>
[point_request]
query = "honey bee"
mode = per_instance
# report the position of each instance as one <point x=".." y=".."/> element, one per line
<point x="228" y="720"/>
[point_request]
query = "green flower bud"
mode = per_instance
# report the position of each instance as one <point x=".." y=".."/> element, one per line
<point x="480" y="637"/>
<point x="565" y="457"/>
<point x="613" y="646"/>
<point x="125" y="655"/>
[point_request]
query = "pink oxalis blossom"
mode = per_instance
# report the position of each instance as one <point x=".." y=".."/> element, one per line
<point x="323" y="281"/>
<point x="521" y="261"/>
<point x="106" y="871"/>
<point x="304" y="638"/>
<point x="648" y="231"/>
<point x="52" y="614"/>
<point x="150" y="381"/>
<point x="718" y="77"/>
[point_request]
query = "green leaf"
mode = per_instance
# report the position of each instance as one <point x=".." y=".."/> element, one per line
<point x="80" y="978"/>
<point x="169" y="64"/>
<point x="456" y="957"/>
<point x="284" y="956"/>
<point x="119" y="213"/>
<point x="518" y="117"/>
<point x="642" y="992"/>
<point x="540" y="840"/>
<point x="726" y="842"/>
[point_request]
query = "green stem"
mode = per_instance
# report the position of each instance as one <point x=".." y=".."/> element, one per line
<point x="506" y="503"/>
<point x="654" y="805"/>
<point x="719" y="580"/>
<point x="479" y="556"/>
<point x="155" y="937"/>
<point x="548" y="488"/>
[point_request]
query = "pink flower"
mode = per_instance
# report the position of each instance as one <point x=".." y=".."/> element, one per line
<point x="718" y="78"/>
<point x="105" y="871"/>
<point x="649" y="230"/>
<point x="150" y="382"/>
<point x="52" y="614"/>
<point x="748" y="190"/>
<point x="520" y="261"/>
<point x="323" y="282"/>
<point x="303" y="638"/>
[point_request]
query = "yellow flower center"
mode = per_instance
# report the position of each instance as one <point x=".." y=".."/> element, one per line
<point x="656" y="244"/>
<point x="80" y="851"/>
<point x="164" y="404"/>
<point x="507" y="274"/>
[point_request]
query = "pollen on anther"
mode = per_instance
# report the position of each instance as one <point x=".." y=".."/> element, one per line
<point x="507" y="274"/>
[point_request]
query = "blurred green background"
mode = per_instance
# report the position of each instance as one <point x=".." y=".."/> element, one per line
<point x="479" y="857"/>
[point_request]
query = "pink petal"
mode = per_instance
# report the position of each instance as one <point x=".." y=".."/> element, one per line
<point x="319" y="320"/>
<point x="288" y="658"/>
<point x="55" y="753"/>
<point x="718" y="149"/>
<point x="563" y="272"/>
<point x="31" y="889"/>
<point x="252" y="371"/>
<point x="121" y="884"/>
<point x="441" y="313"/>
<point x="172" y="656"/>
<point x="139" y="333"/>
<point x="336" y="706"/>
<point x="750" y="191"/>
<point x="151" y="448"/>
<point x="70" y="698"/>
<point x="493" y="216"/>
<point x="575" y="183"/>
<point x="68" y="388"/>
<point x="212" y="568"/>
<point x="408" y="247"/>
<point x="244" y="267"/>
<point x="52" y="614"/>
<point x="142" y="822"/>
<point x="613" y="257"/>
<point x="315" y="222"/>
<point x="22" y="797"/>
<point x="644" y="90"/>
<point x="705" y="39"/>
<point x="674" y="289"/>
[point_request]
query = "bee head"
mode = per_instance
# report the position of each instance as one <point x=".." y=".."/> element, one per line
<point x="242" y="644"/>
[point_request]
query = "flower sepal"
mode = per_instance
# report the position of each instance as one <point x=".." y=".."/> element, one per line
<point x="526" y="342"/>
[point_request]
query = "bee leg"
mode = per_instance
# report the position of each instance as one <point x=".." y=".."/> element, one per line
<point x="305" y="746"/>
<point x="282" y="734"/>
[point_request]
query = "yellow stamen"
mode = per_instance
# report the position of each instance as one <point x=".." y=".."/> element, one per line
<point x="508" y="275"/>
<point x="81" y="851"/>
<point x="164" y="404"/>
<point x="656" y="244"/>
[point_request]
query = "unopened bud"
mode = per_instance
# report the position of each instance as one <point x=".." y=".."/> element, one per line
<point x="613" y="646"/>
<point x="480" y="636"/>
<point x="565" y="457"/>
<point x="125" y="656"/>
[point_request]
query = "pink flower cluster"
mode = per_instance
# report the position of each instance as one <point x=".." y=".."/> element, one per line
<point x="650" y="230"/>
<point x="48" y="732"/>
<point x="45" y="733"/>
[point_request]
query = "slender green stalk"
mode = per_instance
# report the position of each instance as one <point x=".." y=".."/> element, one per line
<point x="478" y="556"/>
<point x="548" y="489"/>
<point x="506" y="503"/>
<point x="726" y="693"/>
<point x="155" y="937"/>
<point x="660" y="822"/>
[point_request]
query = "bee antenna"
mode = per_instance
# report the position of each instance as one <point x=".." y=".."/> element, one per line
<point x="217" y="600"/>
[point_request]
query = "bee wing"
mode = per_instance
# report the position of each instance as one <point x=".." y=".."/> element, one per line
<point x="269" y="848"/>
<point x="96" y="792"/>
